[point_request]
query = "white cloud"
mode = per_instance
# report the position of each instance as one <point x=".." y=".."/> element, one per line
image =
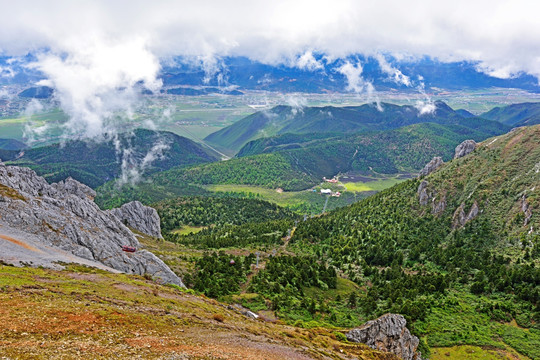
<point x="425" y="107"/>
<point x="4" y="93"/>
<point x="298" y="103"/>
<point x="356" y="83"/>
<point x="497" y="33"/>
<point x="97" y="50"/>
<point x="6" y="72"/>
<point x="132" y="166"/>
<point x="308" y="62"/>
<point x="33" y="131"/>
<point x="393" y="73"/>
<point x="353" y="74"/>
<point x="96" y="79"/>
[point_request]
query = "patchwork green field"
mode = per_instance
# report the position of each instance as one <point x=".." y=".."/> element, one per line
<point x="302" y="201"/>
<point x="371" y="185"/>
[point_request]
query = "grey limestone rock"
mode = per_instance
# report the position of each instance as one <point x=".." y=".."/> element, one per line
<point x="64" y="215"/>
<point x="431" y="166"/>
<point x="465" y="148"/>
<point x="388" y="333"/>
<point x="423" y="196"/>
<point x="461" y="218"/>
<point x="439" y="206"/>
<point x="139" y="217"/>
<point x="526" y="209"/>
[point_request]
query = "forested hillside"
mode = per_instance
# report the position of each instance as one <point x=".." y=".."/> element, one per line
<point x="402" y="150"/>
<point x="93" y="163"/>
<point x="471" y="225"/>
<point x="405" y="149"/>
<point x="214" y="211"/>
<point x="523" y="114"/>
<point x="456" y="252"/>
<point x="340" y="120"/>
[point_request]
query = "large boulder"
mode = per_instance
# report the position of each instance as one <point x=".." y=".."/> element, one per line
<point x="431" y="166"/>
<point x="63" y="215"/>
<point x="388" y="333"/>
<point x="139" y="217"/>
<point x="465" y="148"/>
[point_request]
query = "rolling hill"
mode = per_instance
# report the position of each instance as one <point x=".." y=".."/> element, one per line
<point x="12" y="144"/>
<point x="401" y="150"/>
<point x="337" y="120"/>
<point x="96" y="162"/>
<point x="523" y="114"/>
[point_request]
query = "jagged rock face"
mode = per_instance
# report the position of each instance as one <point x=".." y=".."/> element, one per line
<point x="431" y="166"/>
<point x="425" y="196"/>
<point x="460" y="218"/>
<point x="526" y="210"/>
<point x="388" y="333"/>
<point x="439" y="206"/>
<point x="63" y="215"/>
<point x="465" y="148"/>
<point x="139" y="217"/>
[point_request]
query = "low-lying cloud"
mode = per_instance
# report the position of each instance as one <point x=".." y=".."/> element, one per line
<point x="95" y="80"/>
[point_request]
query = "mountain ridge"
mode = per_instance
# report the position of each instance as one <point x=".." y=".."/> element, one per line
<point x="94" y="162"/>
<point x="337" y="120"/>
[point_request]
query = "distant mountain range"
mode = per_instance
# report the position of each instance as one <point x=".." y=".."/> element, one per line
<point x="247" y="74"/>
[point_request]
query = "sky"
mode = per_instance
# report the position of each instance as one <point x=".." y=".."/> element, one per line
<point x="88" y="50"/>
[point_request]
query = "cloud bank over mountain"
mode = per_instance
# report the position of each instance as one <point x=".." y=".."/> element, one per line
<point x="92" y="50"/>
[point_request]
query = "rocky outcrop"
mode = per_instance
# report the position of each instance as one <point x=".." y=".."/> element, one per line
<point x="431" y="166"/>
<point x="438" y="207"/>
<point x="460" y="218"/>
<point x="426" y="196"/>
<point x="63" y="215"/>
<point x="465" y="148"/>
<point x="388" y="333"/>
<point x="139" y="217"/>
<point x="526" y="209"/>
<point x="423" y="195"/>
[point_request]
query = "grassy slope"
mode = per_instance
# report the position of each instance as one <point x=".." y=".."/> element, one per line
<point x="83" y="313"/>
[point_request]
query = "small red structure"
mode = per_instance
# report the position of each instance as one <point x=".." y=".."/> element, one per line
<point x="128" y="248"/>
<point x="232" y="262"/>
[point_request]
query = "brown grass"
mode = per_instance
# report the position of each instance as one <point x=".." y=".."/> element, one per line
<point x="10" y="193"/>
